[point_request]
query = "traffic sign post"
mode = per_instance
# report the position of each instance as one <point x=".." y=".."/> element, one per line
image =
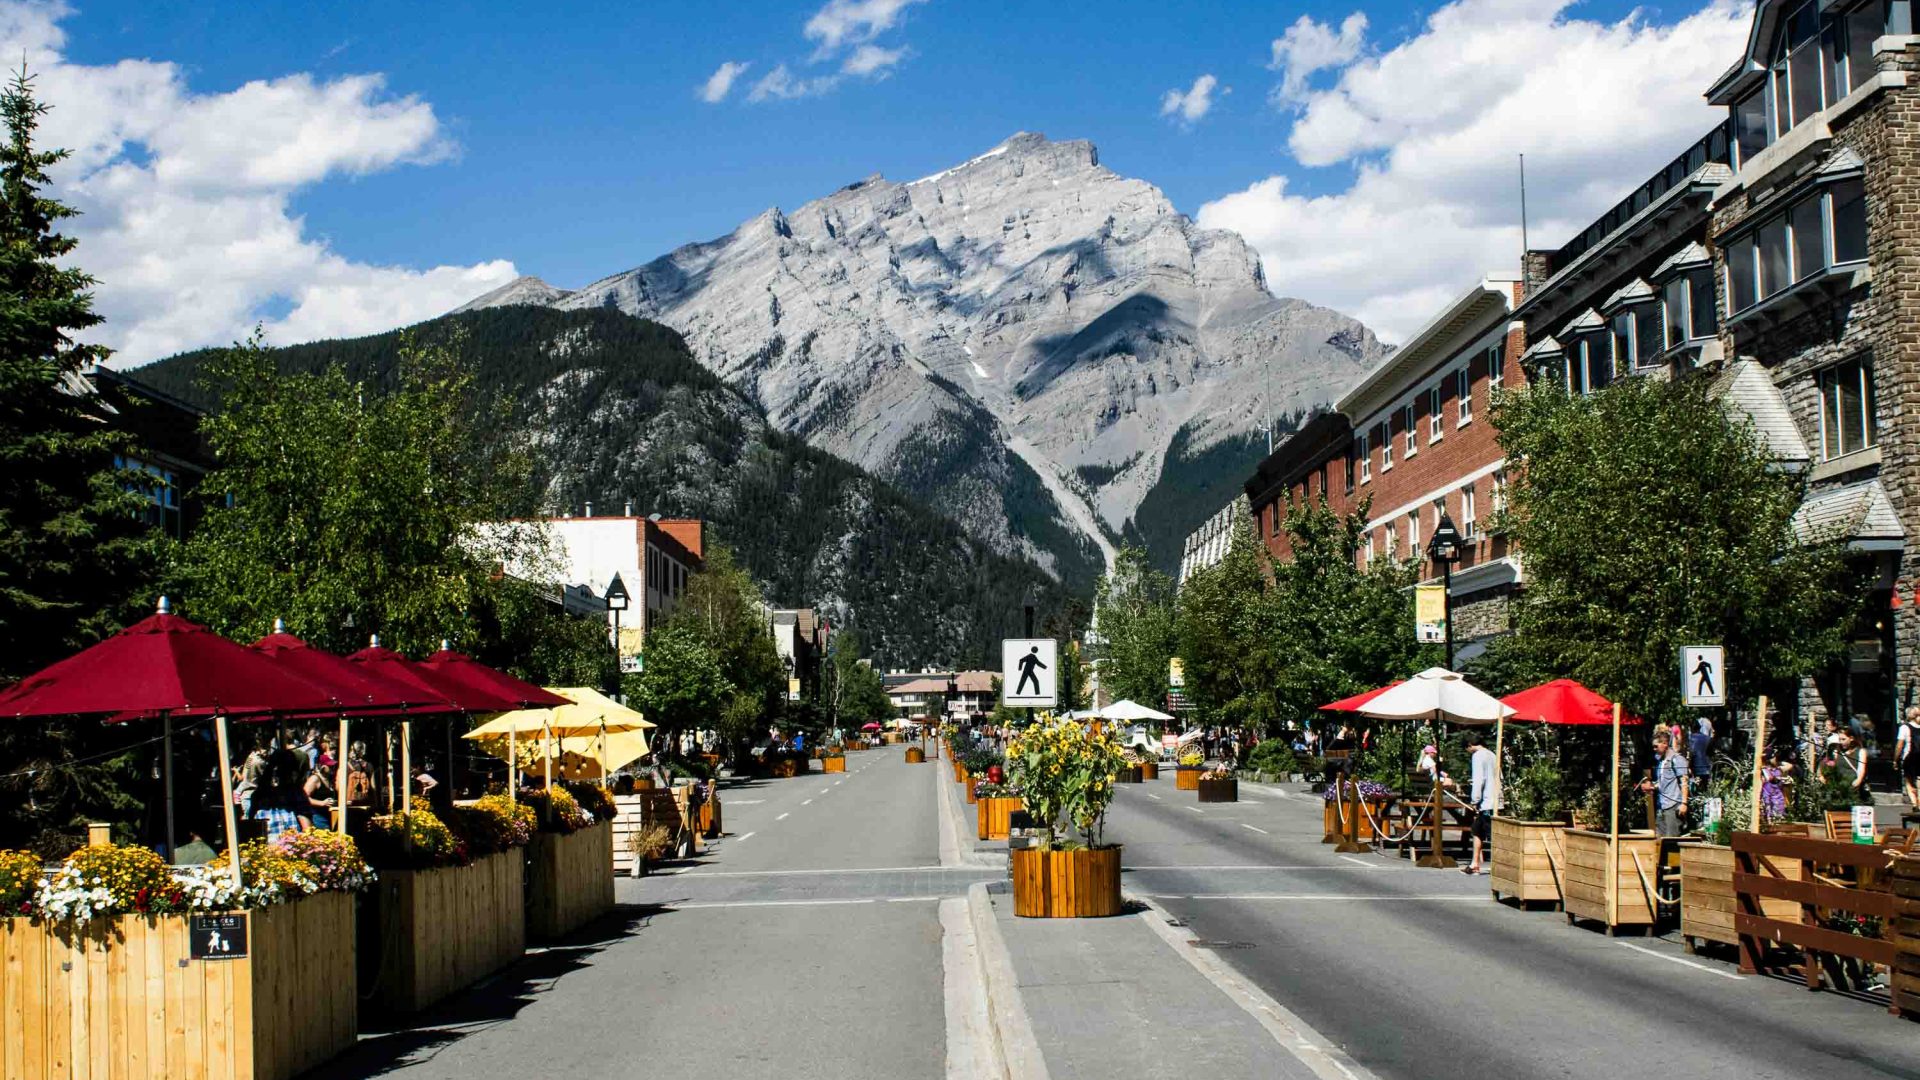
<point x="1703" y="676"/>
<point x="1029" y="673"/>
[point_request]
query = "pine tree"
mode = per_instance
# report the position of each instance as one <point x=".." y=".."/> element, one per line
<point x="75" y="557"/>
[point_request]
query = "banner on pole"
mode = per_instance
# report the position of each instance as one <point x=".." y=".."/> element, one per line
<point x="1430" y="613"/>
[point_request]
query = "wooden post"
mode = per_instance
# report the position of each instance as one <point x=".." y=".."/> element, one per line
<point x="1350" y="841"/>
<point x="1435" y="859"/>
<point x="99" y="834"/>
<point x="1759" y="763"/>
<point x="513" y="765"/>
<point x="1613" y="828"/>
<point x="1499" y="760"/>
<point x="406" y="768"/>
<point x="340" y="778"/>
<point x="226" y="801"/>
<point x="546" y="750"/>
<point x="166" y="775"/>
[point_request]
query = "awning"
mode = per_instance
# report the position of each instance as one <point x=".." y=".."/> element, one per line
<point x="1859" y="513"/>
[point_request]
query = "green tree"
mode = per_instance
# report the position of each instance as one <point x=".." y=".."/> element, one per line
<point x="1229" y="646"/>
<point x="681" y="687"/>
<point x="75" y="556"/>
<point x="347" y="505"/>
<point x="857" y="695"/>
<point x="1134" y="612"/>
<point x="1652" y="520"/>
<point x="723" y="608"/>
<point x="523" y="632"/>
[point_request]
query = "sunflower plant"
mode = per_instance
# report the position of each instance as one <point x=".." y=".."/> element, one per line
<point x="1065" y="774"/>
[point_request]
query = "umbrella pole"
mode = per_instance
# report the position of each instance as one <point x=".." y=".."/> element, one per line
<point x="1759" y="763"/>
<point x="166" y="775"/>
<point x="546" y="752"/>
<point x="603" y="755"/>
<point x="226" y="802"/>
<point x="1613" y="829"/>
<point x="513" y="768"/>
<point x="340" y="776"/>
<point x="1500" y="756"/>
<point x="406" y="768"/>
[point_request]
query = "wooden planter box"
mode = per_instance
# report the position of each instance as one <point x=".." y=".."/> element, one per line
<point x="786" y="765"/>
<point x="915" y="755"/>
<point x="833" y="764"/>
<point x="445" y="929"/>
<point x="569" y="880"/>
<point x="1528" y="860"/>
<point x="960" y="773"/>
<point x="1149" y="770"/>
<point x="1066" y="884"/>
<point x="120" y="997"/>
<point x="1187" y="777"/>
<point x="1583" y="887"/>
<point x="968" y="788"/>
<point x="1707" y="903"/>
<point x="1363" y="829"/>
<point x="1129" y="774"/>
<point x="1227" y="790"/>
<point x="996" y="816"/>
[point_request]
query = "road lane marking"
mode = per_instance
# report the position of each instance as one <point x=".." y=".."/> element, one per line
<point x="1261" y="866"/>
<point x="854" y="870"/>
<point x="1357" y="859"/>
<point x="1255" y="828"/>
<point x="744" y="836"/>
<point x="824" y="790"/>
<point x="1680" y="960"/>
<point x="1251" y="802"/>
<point x="910" y="899"/>
<point x="744" y="802"/>
<point x="771" y="903"/>
<point x="1154" y="797"/>
<point x="782" y="817"/>
<point x="806" y="802"/>
<point x="1343" y="897"/>
<point x="1196" y="809"/>
<point x="837" y="783"/>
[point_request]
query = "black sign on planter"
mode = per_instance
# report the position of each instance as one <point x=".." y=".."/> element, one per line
<point x="217" y="937"/>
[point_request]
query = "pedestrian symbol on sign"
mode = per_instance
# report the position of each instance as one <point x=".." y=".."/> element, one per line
<point x="1703" y="676"/>
<point x="1028" y="672"/>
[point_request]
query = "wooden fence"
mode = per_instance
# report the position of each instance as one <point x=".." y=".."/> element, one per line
<point x="1821" y="893"/>
<point x="569" y="880"/>
<point x="447" y="928"/>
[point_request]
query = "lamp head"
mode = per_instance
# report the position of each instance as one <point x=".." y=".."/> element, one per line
<point x="1445" y="545"/>
<point x="617" y="596"/>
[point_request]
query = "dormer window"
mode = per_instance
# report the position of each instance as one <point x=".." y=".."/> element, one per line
<point x="1634" y="329"/>
<point x="1817" y="58"/>
<point x="1824" y="229"/>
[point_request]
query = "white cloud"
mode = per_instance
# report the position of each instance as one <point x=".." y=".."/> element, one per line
<point x="720" y="83"/>
<point x="852" y="22"/>
<point x="780" y="84"/>
<point x="186" y="197"/>
<point x="1192" y="104"/>
<point x="1309" y="46"/>
<point x="872" y="61"/>
<point x="1432" y="129"/>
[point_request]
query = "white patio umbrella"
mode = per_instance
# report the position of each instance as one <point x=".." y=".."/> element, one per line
<point x="1437" y="694"/>
<point x="1131" y="710"/>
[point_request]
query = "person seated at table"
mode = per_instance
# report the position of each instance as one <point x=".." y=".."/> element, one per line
<point x="281" y="799"/>
<point x="1430" y="768"/>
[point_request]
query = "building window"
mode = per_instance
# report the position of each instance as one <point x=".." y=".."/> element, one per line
<point x="1590" y="368"/>
<point x="1393" y="542"/>
<point x="1848" y="200"/>
<point x="1689" y="307"/>
<point x="1386" y="446"/>
<point x="1817" y="59"/>
<point x="1349" y="470"/>
<point x="161" y="489"/>
<point x="1407" y="421"/>
<point x="1826" y="228"/>
<point x="1434" y="425"/>
<point x="1847" y="421"/>
<point x="1467" y="528"/>
<point x="1500" y="492"/>
<point x="1463" y="394"/>
<point x="1413" y="532"/>
<point x="1365" y="454"/>
<point x="1622" y="341"/>
<point x="1750" y="124"/>
<point x="1496" y="369"/>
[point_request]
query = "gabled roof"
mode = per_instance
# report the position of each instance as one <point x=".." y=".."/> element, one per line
<point x="1633" y="292"/>
<point x="1751" y="65"/>
<point x="1546" y="346"/>
<point x="1691" y="255"/>
<point x="1746" y="390"/>
<point x="1859" y="513"/>
<point x="1585" y="322"/>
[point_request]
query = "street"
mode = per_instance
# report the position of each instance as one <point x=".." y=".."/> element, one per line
<point x="809" y="943"/>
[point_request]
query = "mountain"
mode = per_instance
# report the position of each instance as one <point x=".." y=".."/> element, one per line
<point x="619" y="409"/>
<point x="1028" y="340"/>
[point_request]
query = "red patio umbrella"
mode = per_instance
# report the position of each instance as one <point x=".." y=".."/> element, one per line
<point x="165" y="666"/>
<point x="357" y="688"/>
<point x="464" y="669"/>
<point x="388" y="664"/>
<point x="1564" y="702"/>
<point x="1353" y="704"/>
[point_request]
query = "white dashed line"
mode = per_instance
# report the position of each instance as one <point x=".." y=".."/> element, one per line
<point x="1255" y="828"/>
<point x="1362" y="862"/>
<point x="744" y="836"/>
<point x="1154" y="797"/>
<point x="1196" y="809"/>
<point x="806" y="802"/>
<point x="782" y="817"/>
<point x="1678" y="960"/>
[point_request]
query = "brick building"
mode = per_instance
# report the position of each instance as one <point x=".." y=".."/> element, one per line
<point x="1412" y="442"/>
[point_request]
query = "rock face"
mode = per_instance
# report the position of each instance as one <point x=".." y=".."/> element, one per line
<point x="1018" y="339"/>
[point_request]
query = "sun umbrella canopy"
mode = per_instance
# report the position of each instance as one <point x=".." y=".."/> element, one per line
<point x="586" y="713"/>
<point x="1131" y="710"/>
<point x="356" y="688"/>
<point x="580" y="758"/>
<point x="164" y="664"/>
<point x="391" y="665"/>
<point x="1564" y="702"/>
<point x="1352" y="704"/>
<point x="463" y="669"/>
<point x="1437" y="693"/>
<point x="870" y="727"/>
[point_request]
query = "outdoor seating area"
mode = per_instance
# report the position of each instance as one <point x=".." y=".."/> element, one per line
<point x="400" y="878"/>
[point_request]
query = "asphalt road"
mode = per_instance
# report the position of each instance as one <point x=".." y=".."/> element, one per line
<point x="805" y="944"/>
<point x="1419" y="974"/>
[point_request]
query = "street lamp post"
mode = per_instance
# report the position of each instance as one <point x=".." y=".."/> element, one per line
<point x="1444" y="550"/>
<point x="617" y="600"/>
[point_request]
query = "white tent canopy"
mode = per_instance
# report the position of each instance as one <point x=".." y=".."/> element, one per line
<point x="1131" y="710"/>
<point x="1437" y="693"/>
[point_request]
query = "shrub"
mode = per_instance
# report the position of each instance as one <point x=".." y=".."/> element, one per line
<point x="1192" y="759"/>
<point x="494" y="823"/>
<point x="594" y="799"/>
<point x="432" y="843"/>
<point x="1273" y="756"/>
<point x="1065" y="775"/>
<point x="332" y="858"/>
<point x="268" y="874"/>
<point x="558" y="811"/>
<point x="20" y="874"/>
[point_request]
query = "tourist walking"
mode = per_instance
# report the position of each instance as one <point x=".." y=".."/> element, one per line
<point x="1486" y="799"/>
<point x="1671" y="775"/>
<point x="1906" y="751"/>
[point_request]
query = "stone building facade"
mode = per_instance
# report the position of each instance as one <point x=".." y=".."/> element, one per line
<point x="1209" y="543"/>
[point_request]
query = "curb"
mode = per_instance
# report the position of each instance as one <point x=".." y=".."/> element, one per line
<point x="1294" y="1035"/>
<point x="1015" y="1050"/>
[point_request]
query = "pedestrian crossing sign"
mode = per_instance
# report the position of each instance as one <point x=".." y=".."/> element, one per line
<point x="1703" y="676"/>
<point x="1029" y="673"/>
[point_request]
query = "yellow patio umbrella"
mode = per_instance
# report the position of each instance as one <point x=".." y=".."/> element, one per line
<point x="592" y="717"/>
<point x="583" y="757"/>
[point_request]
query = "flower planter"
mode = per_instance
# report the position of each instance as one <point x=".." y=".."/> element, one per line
<point x="445" y="929"/>
<point x="1149" y="770"/>
<point x="1707" y="903"/>
<point x="1227" y="790"/>
<point x="1584" y="885"/>
<point x="569" y="880"/>
<point x="915" y="755"/>
<point x="786" y="765"/>
<point x="121" y="997"/>
<point x="1363" y="829"/>
<point x="1128" y="775"/>
<point x="833" y="764"/>
<point x="1066" y="884"/>
<point x="1187" y="777"/>
<point x="996" y="816"/>
<point x="1527" y="860"/>
<point x="710" y="817"/>
<point x="967" y="787"/>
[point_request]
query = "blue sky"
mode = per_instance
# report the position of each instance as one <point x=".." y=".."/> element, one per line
<point x="570" y="140"/>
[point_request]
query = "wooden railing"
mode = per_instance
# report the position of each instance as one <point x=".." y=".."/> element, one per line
<point x="1821" y="892"/>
